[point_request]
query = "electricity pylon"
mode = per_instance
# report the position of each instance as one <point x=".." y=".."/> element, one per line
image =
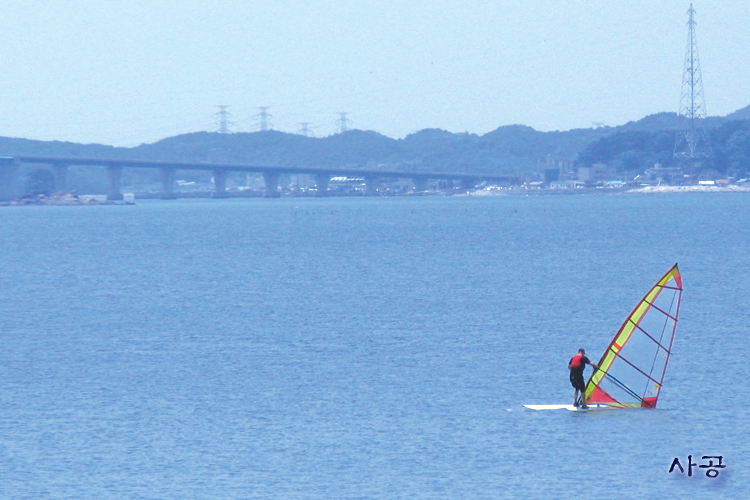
<point x="223" y="115"/>
<point x="304" y="129"/>
<point x="342" y="122"/>
<point x="264" y="116"/>
<point x="692" y="143"/>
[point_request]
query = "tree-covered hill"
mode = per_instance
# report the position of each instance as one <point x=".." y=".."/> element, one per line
<point x="639" y="150"/>
<point x="508" y="150"/>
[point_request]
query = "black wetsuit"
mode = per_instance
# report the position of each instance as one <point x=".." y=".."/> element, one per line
<point x="576" y="374"/>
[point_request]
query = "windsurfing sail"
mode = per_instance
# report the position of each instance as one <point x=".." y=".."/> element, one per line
<point x="632" y="369"/>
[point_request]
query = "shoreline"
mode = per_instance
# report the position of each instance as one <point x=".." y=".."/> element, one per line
<point x="60" y="199"/>
<point x="731" y="188"/>
<point x="609" y="191"/>
<point x="72" y="199"/>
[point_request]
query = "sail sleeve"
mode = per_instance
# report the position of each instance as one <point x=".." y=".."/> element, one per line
<point x="631" y="371"/>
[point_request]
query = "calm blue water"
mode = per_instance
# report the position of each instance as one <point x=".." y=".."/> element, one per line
<point x="363" y="348"/>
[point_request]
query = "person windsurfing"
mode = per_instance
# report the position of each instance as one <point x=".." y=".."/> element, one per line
<point x="576" y="366"/>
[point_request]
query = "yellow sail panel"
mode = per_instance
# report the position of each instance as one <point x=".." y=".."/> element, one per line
<point x="632" y="367"/>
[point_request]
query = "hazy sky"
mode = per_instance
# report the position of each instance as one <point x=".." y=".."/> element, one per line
<point x="128" y="72"/>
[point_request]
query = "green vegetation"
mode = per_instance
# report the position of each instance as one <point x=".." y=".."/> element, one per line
<point x="510" y="150"/>
<point x="637" y="151"/>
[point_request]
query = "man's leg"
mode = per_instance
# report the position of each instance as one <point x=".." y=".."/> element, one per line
<point x="580" y="387"/>
<point x="583" y="398"/>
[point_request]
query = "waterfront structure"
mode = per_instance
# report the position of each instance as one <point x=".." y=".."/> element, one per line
<point x="598" y="172"/>
<point x="372" y="178"/>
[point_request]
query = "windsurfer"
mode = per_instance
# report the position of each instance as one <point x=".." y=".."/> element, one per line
<point x="576" y="366"/>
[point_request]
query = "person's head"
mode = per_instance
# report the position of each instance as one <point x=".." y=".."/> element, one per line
<point x="581" y="351"/>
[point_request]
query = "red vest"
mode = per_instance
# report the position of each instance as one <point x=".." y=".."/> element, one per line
<point x="576" y="361"/>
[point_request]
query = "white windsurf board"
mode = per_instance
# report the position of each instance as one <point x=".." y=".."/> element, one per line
<point x="567" y="407"/>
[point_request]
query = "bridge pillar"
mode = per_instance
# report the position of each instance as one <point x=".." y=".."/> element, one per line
<point x="9" y="185"/>
<point x="420" y="183"/>
<point x="321" y="183"/>
<point x="468" y="183"/>
<point x="220" y="184"/>
<point x="272" y="185"/>
<point x="371" y="185"/>
<point x="447" y="185"/>
<point x="115" y="180"/>
<point x="167" y="181"/>
<point x="60" y="172"/>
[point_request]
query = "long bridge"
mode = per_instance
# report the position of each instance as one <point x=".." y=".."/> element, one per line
<point x="10" y="166"/>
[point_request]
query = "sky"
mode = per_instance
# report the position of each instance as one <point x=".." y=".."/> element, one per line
<point x="130" y="72"/>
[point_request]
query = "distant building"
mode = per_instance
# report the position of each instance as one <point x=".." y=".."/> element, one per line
<point x="564" y="184"/>
<point x="555" y="163"/>
<point x="665" y="174"/>
<point x="598" y="172"/>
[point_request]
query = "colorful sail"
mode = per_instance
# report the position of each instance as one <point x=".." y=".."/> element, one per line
<point x="632" y="368"/>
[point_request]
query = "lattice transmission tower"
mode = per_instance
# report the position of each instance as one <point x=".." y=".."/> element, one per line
<point x="342" y="122"/>
<point x="692" y="143"/>
<point x="304" y="129"/>
<point x="264" y="116"/>
<point x="223" y="116"/>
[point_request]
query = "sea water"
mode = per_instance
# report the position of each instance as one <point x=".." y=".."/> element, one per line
<point x="364" y="347"/>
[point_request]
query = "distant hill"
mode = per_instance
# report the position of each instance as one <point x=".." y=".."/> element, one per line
<point x="740" y="114"/>
<point x="636" y="148"/>
<point x="507" y="150"/>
